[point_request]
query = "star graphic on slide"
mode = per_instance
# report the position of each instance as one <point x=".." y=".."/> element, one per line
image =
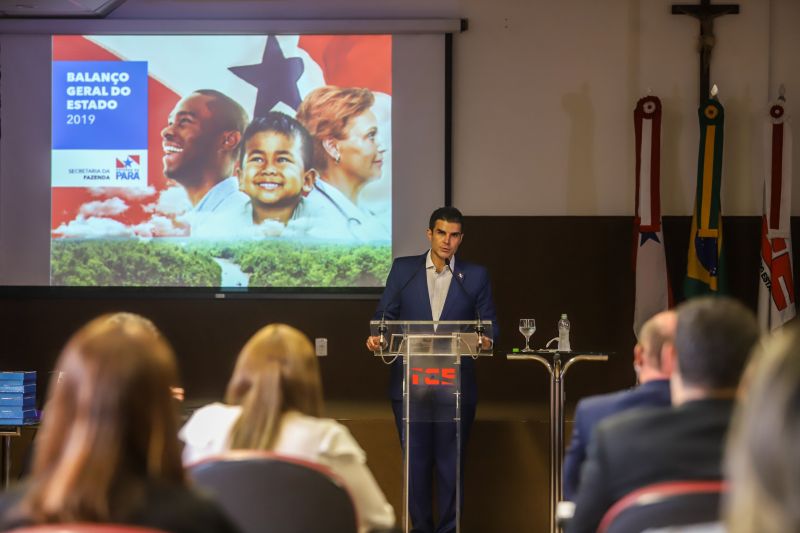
<point x="275" y="78"/>
<point x="650" y="235"/>
<point x="128" y="162"/>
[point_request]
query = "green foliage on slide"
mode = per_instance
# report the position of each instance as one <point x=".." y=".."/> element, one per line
<point x="293" y="264"/>
<point x="130" y="263"/>
<point x="177" y="263"/>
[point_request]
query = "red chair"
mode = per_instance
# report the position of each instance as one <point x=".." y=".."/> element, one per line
<point x="671" y="503"/>
<point x="85" y="527"/>
<point x="262" y="491"/>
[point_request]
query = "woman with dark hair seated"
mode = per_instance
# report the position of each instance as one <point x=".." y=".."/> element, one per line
<point x="107" y="450"/>
<point x="274" y="402"/>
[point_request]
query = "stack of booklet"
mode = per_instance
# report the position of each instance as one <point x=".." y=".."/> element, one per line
<point x="18" y="398"/>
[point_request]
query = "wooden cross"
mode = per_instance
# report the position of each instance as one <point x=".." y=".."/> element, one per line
<point x="705" y="12"/>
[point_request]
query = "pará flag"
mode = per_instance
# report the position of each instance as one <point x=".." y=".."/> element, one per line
<point x="653" y="293"/>
<point x="705" y="272"/>
<point x="776" y="285"/>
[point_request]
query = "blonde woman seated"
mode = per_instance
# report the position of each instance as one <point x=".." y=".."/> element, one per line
<point x="107" y="450"/>
<point x="763" y="455"/>
<point x="274" y="400"/>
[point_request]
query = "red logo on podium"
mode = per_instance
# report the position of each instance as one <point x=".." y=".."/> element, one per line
<point x="433" y="376"/>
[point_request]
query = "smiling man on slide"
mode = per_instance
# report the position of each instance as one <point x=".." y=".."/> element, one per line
<point x="201" y="144"/>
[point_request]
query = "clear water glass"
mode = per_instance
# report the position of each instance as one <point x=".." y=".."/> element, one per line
<point x="527" y="326"/>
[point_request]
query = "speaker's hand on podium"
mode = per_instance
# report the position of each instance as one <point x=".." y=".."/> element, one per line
<point x="485" y="342"/>
<point x="374" y="343"/>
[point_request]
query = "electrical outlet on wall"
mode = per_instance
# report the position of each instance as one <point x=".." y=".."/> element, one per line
<point x="321" y="345"/>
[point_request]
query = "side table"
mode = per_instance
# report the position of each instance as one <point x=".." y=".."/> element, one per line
<point x="6" y="434"/>
<point x="557" y="364"/>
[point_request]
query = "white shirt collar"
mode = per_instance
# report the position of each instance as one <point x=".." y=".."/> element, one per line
<point x="429" y="262"/>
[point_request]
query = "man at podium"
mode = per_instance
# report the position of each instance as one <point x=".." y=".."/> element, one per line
<point x="436" y="286"/>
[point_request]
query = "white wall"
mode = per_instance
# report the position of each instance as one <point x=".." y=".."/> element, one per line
<point x="545" y="91"/>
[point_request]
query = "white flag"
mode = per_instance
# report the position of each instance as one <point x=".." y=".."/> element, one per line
<point x="653" y="293"/>
<point x="776" y="285"/>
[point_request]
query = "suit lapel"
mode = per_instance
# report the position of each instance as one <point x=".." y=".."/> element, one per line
<point x="422" y="290"/>
<point x="452" y="293"/>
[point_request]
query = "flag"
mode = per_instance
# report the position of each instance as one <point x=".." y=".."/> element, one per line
<point x="705" y="272"/>
<point x="776" y="285"/>
<point x="261" y="72"/>
<point x="653" y="293"/>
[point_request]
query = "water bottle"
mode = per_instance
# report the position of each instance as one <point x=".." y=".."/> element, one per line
<point x="563" y="334"/>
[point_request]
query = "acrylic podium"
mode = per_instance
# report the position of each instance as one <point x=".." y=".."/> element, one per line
<point x="431" y="354"/>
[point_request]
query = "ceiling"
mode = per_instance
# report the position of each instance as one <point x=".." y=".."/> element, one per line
<point x="56" y="8"/>
<point x="242" y="9"/>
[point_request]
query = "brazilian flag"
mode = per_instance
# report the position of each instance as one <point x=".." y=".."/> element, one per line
<point x="705" y="272"/>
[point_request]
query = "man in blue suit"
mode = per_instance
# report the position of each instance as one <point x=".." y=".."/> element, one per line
<point x="653" y="391"/>
<point x="713" y="339"/>
<point x="434" y="286"/>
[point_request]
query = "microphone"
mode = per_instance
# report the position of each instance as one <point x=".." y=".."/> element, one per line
<point x="479" y="329"/>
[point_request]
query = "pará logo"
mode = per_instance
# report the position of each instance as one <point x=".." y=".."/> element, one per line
<point x="128" y="168"/>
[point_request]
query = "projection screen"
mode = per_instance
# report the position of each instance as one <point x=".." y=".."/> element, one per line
<point x="174" y="160"/>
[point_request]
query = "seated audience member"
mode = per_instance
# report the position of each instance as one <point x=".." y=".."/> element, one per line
<point x="107" y="450"/>
<point x="762" y="460"/>
<point x="653" y="391"/>
<point x="274" y="400"/>
<point x="713" y="338"/>
<point x="275" y="172"/>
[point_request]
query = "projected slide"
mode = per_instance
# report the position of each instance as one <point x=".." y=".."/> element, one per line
<point x="221" y="161"/>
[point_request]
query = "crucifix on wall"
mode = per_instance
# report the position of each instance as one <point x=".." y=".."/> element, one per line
<point x="705" y="12"/>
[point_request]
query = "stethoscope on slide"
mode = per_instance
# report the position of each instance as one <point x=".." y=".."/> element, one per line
<point x="352" y="222"/>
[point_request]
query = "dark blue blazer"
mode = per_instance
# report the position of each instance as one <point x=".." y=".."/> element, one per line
<point x="406" y="298"/>
<point x="649" y="445"/>
<point x="590" y="411"/>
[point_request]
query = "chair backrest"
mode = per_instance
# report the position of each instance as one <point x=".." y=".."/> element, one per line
<point x="262" y="491"/>
<point x="672" y="503"/>
<point x="85" y="527"/>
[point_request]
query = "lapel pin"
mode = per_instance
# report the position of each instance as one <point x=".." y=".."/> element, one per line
<point x="460" y="275"/>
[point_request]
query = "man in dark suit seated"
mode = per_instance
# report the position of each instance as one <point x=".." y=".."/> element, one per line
<point x="653" y="391"/>
<point x="713" y="339"/>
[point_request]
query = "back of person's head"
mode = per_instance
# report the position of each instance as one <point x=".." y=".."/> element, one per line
<point x="109" y="424"/>
<point x="448" y="214"/>
<point x="655" y="333"/>
<point x="276" y="371"/>
<point x="713" y="340"/>
<point x="763" y="455"/>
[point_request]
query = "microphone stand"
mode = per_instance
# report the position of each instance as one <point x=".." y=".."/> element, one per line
<point x="382" y="330"/>
<point x="479" y="328"/>
<point x="382" y="327"/>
